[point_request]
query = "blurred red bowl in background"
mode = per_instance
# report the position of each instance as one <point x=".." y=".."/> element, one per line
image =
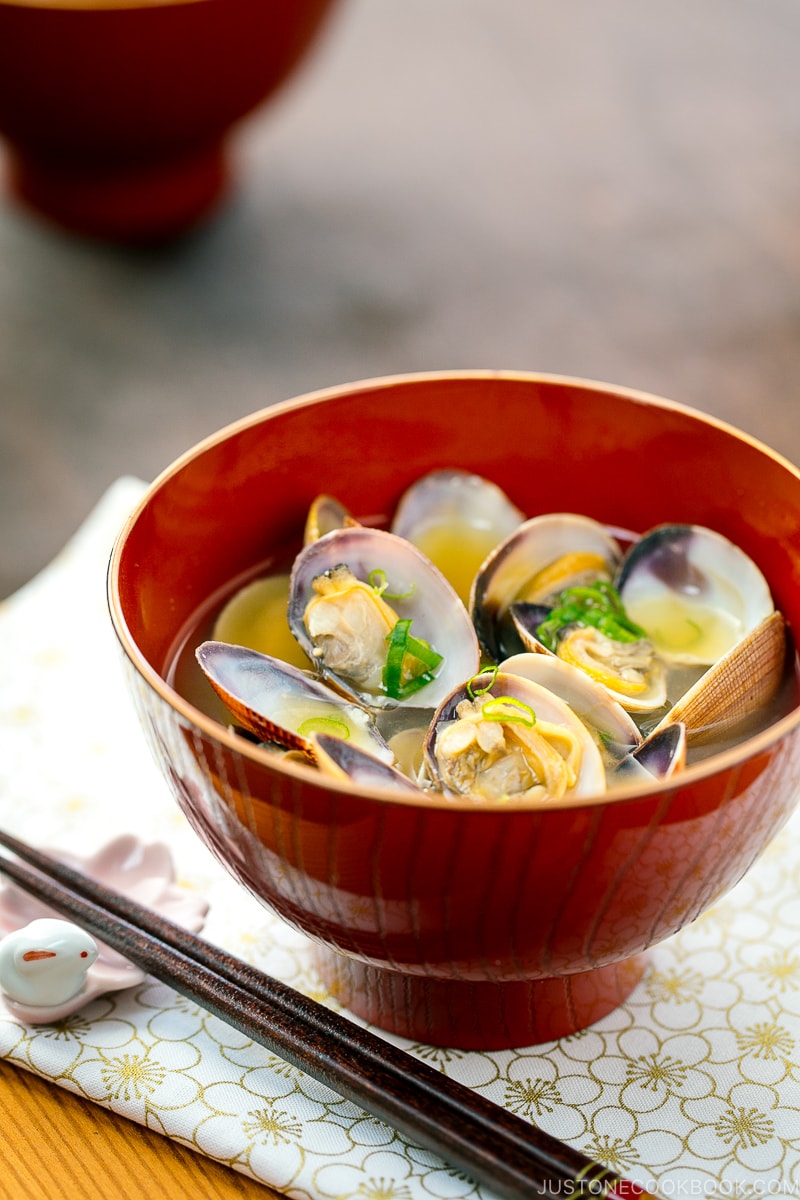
<point x="115" y="113"/>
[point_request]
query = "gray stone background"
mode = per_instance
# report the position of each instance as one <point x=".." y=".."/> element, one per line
<point x="606" y="189"/>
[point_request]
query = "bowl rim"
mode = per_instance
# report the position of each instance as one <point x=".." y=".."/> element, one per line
<point x="715" y="764"/>
<point x="94" y="6"/>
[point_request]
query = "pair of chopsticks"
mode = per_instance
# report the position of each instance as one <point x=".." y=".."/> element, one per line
<point x="496" y="1148"/>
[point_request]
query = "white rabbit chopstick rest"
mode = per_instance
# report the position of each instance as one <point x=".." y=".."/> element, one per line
<point x="35" y="969"/>
<point x="45" y="963"/>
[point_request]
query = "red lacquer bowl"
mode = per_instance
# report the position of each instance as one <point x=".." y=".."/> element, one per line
<point x="458" y="922"/>
<point x="115" y="113"/>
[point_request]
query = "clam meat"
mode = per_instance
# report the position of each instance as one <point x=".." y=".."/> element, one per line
<point x="504" y="737"/>
<point x="378" y="621"/>
<point x="538" y="561"/>
<point x="533" y="661"/>
<point x="597" y="639"/>
<point x="613" y="728"/>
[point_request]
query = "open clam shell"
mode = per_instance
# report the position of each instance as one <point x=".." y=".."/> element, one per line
<point x="695" y="592"/>
<point x="616" y="730"/>
<point x="658" y="756"/>
<point x="527" y="617"/>
<point x="325" y="514"/>
<point x="740" y="683"/>
<point x="539" y="559"/>
<point x="414" y="590"/>
<point x="282" y="705"/>
<point x="456" y="518"/>
<point x="625" y="752"/>
<point x="344" y="760"/>
<point x="484" y="770"/>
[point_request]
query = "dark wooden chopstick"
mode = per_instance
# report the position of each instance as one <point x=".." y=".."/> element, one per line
<point x="513" y="1158"/>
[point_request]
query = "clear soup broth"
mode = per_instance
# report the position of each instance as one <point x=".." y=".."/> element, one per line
<point x="404" y="729"/>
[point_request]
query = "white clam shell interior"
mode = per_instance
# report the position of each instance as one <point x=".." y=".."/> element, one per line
<point x="702" y="577"/>
<point x="423" y="595"/>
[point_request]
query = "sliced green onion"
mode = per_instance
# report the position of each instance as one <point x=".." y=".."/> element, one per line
<point x="401" y="595"/>
<point x="598" y="605"/>
<point x="424" y="651"/>
<point x="404" y="647"/>
<point x="472" y="691"/>
<point x="331" y="725"/>
<point x="414" y="685"/>
<point x="393" y="670"/>
<point x="497" y="709"/>
<point x="378" y="581"/>
<point x="586" y="593"/>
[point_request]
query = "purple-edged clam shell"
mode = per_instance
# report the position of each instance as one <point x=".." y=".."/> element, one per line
<point x="280" y="704"/>
<point x="694" y="591"/>
<point x="344" y="760"/>
<point x="534" y="547"/>
<point x="416" y="590"/>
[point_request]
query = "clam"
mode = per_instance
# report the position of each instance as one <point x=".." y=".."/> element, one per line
<point x="658" y="756"/>
<point x="541" y="558"/>
<point x="625" y="752"/>
<point x="504" y="737"/>
<point x="677" y="639"/>
<point x="740" y="683"/>
<point x="379" y="621"/>
<point x="624" y="664"/>
<point x="456" y="518"/>
<point x="326" y="513"/>
<point x="695" y="592"/>
<point x="616" y="731"/>
<point x="281" y="704"/>
<point x="344" y="760"/>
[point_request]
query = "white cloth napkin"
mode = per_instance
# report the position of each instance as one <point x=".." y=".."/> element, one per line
<point x="692" y="1086"/>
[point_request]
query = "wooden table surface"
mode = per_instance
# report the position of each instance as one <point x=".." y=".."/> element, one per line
<point x="607" y="190"/>
<point x="58" y="1147"/>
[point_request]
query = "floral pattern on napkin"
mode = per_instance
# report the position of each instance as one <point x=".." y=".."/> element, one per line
<point x="692" y="1086"/>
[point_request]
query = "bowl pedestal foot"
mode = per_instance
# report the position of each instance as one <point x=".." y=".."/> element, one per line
<point x="476" y="1015"/>
<point x="149" y="201"/>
